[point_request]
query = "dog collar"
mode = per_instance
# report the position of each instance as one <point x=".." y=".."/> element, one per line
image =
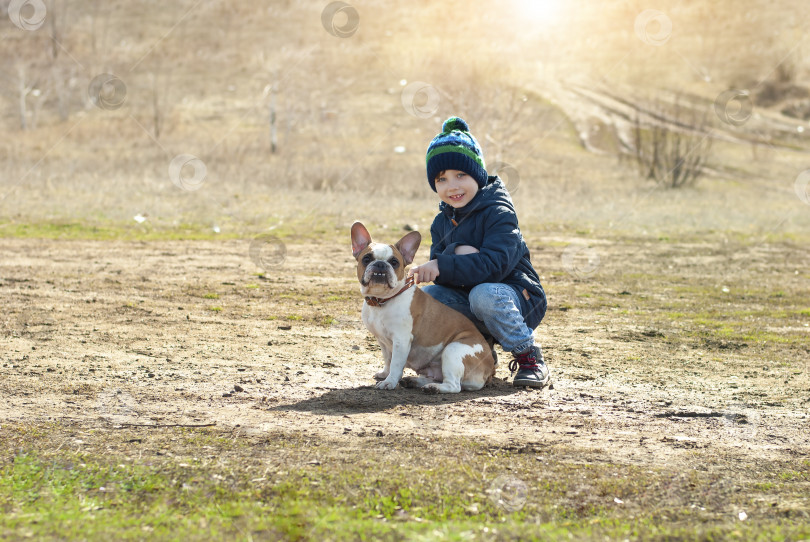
<point x="380" y="301"/>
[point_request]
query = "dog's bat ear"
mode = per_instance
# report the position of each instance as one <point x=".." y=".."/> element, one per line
<point x="408" y="246"/>
<point x="360" y="238"/>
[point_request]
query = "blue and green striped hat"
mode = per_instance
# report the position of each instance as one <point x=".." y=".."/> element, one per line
<point x="455" y="148"/>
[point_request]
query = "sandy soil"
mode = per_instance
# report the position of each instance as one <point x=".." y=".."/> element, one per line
<point x="107" y="334"/>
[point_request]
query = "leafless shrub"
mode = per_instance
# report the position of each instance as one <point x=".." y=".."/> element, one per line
<point x="672" y="143"/>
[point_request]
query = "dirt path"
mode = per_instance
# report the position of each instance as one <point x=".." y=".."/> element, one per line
<point x="605" y="119"/>
<point x="112" y="333"/>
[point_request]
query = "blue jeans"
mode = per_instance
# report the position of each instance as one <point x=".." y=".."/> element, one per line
<point x="494" y="308"/>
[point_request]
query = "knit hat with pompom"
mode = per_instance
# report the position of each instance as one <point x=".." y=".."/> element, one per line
<point x="455" y="148"/>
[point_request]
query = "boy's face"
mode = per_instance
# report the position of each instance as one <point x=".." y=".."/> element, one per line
<point x="456" y="188"/>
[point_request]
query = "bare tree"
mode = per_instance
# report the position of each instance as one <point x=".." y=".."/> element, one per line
<point x="28" y="87"/>
<point x="273" y="135"/>
<point x="160" y="97"/>
<point x="672" y="143"/>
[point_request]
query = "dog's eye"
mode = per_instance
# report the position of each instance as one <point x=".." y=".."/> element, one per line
<point x="367" y="259"/>
<point x="394" y="262"/>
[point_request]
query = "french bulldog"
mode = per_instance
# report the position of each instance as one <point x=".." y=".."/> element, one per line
<point x="441" y="345"/>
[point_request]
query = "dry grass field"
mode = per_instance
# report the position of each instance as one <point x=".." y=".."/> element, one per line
<point x="181" y="352"/>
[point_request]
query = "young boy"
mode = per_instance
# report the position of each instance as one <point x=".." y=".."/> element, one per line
<point x="479" y="263"/>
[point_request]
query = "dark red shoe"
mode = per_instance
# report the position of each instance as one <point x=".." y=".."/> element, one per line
<point x="531" y="369"/>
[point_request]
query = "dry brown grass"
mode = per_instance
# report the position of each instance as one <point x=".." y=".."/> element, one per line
<point x="202" y="79"/>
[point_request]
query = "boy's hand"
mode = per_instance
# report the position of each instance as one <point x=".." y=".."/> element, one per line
<point x="426" y="272"/>
<point x="466" y="249"/>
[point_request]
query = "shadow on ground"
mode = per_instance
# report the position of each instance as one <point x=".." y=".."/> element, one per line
<point x="367" y="399"/>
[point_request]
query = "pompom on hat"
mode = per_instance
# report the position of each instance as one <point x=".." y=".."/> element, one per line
<point x="455" y="148"/>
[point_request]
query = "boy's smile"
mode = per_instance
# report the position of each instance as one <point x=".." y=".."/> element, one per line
<point x="456" y="188"/>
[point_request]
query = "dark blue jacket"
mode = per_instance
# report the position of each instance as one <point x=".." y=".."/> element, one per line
<point x="488" y="223"/>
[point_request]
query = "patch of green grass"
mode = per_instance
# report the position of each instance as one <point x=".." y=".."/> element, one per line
<point x="396" y="489"/>
<point x="252" y="286"/>
<point x="744" y="332"/>
<point x="296" y="296"/>
<point x="767" y="336"/>
<point x="211" y="296"/>
<point x="215" y="309"/>
<point x="745" y="325"/>
<point x="111" y="231"/>
<point x="794" y="476"/>
<point x="309" y="229"/>
<point x="85" y="497"/>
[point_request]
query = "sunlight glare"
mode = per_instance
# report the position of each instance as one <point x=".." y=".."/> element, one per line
<point x="539" y="12"/>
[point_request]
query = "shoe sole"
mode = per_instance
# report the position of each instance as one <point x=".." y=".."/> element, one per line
<point x="532" y="383"/>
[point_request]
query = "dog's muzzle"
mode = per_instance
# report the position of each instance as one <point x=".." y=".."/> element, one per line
<point x="379" y="273"/>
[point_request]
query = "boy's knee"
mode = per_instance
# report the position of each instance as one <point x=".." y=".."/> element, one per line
<point x="483" y="299"/>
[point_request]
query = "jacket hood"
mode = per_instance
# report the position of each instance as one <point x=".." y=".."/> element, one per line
<point x="493" y="193"/>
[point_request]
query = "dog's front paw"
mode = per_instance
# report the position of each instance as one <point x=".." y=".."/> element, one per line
<point x="382" y="375"/>
<point x="387" y="385"/>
